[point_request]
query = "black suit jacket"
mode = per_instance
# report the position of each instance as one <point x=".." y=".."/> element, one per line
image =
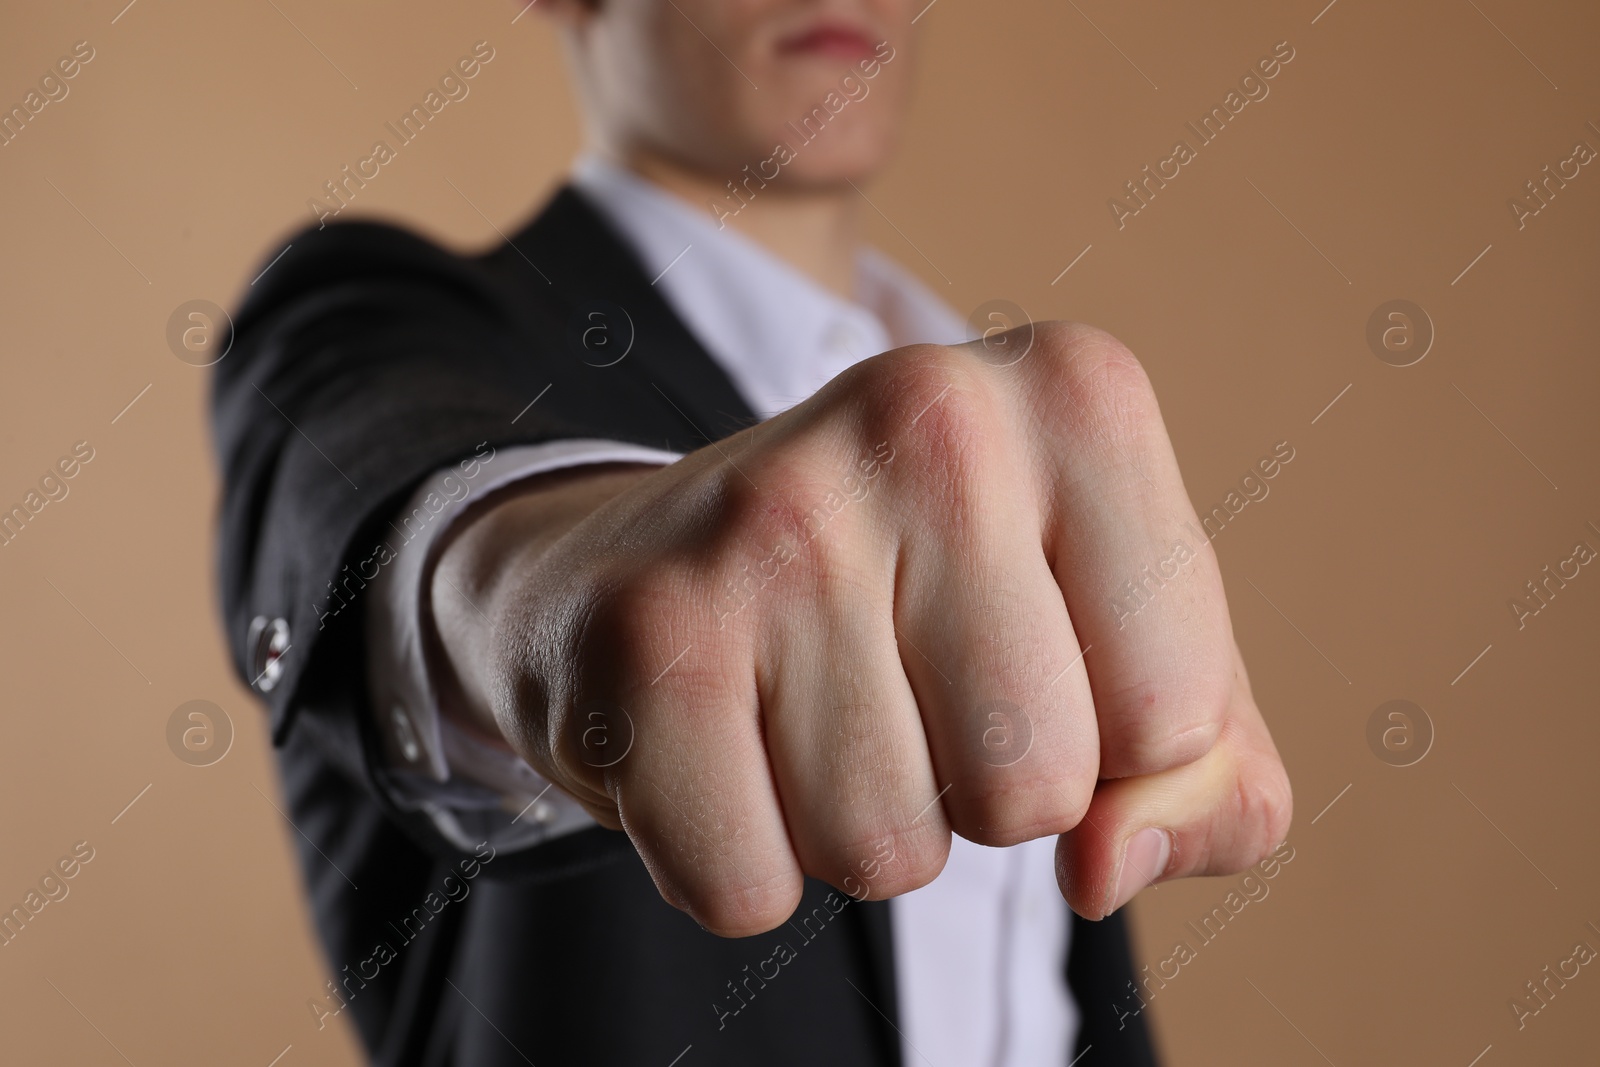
<point x="363" y="360"/>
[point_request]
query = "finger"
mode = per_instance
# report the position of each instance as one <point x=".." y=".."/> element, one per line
<point x="986" y="642"/>
<point x="700" y="805"/>
<point x="1139" y="578"/>
<point x="1218" y="815"/>
<point x="844" y="736"/>
<point x="680" y="757"/>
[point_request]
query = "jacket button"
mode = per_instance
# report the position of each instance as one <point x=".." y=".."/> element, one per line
<point x="405" y="734"/>
<point x="267" y="642"/>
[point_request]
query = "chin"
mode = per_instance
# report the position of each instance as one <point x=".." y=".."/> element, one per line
<point x="828" y="173"/>
<point x="855" y="158"/>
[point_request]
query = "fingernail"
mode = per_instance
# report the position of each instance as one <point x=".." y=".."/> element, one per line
<point x="1143" y="862"/>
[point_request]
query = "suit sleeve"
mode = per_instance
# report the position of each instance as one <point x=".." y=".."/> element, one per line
<point x="362" y="361"/>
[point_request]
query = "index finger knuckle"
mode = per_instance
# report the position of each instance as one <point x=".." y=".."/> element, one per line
<point x="1105" y="387"/>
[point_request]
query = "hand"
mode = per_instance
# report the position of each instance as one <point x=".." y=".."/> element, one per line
<point x="941" y="595"/>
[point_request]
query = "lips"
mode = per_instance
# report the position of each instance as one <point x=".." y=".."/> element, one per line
<point x="828" y="40"/>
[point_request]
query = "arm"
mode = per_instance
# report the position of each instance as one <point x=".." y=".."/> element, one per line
<point x="361" y="364"/>
<point x="936" y="597"/>
<point x="472" y="790"/>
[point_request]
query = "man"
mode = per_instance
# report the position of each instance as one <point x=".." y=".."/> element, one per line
<point x="661" y="675"/>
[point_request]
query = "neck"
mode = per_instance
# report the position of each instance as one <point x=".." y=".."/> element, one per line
<point x="816" y="231"/>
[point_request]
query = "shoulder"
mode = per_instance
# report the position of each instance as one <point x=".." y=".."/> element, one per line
<point x="369" y="255"/>
<point x="326" y="296"/>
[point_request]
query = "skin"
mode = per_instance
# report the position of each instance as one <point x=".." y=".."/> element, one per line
<point x="825" y="644"/>
<point x="658" y="98"/>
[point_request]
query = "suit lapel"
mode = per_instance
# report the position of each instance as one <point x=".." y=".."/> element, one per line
<point x="592" y="267"/>
<point x="1111" y="1010"/>
<point x="878" y="934"/>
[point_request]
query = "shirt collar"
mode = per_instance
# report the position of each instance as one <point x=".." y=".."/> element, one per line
<point x="779" y="334"/>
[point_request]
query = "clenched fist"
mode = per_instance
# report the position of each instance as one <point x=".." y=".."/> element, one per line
<point x="941" y="595"/>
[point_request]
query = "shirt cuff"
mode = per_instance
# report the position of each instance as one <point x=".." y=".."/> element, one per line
<point x="472" y="791"/>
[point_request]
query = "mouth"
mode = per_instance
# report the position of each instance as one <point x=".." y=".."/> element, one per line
<point x="829" y="40"/>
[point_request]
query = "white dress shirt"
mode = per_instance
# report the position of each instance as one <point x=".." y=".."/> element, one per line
<point x="979" y="952"/>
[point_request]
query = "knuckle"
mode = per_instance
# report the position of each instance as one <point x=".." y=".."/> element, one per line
<point x="912" y="369"/>
<point x="796" y="536"/>
<point x="888" y="864"/>
<point x="1265" y="804"/>
<point x="928" y="400"/>
<point x="1085" y="346"/>
<point x="739" y="908"/>
<point x="794" y="490"/>
<point x="1101" y="378"/>
<point x="1164" y="724"/>
<point x="1010" y="811"/>
<point x="1183" y="744"/>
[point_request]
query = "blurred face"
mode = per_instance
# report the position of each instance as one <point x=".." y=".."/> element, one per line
<point x="716" y="85"/>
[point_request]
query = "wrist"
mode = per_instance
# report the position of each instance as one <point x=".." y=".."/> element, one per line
<point x="489" y="576"/>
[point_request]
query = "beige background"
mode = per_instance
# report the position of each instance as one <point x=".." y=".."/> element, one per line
<point x="1416" y="906"/>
